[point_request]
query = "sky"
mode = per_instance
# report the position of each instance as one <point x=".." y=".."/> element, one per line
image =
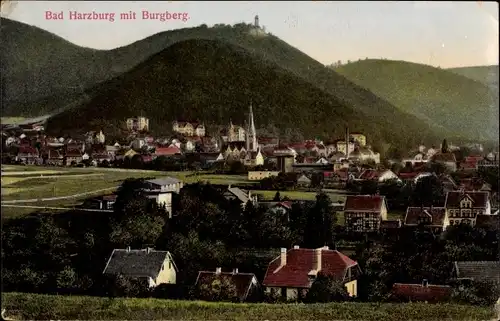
<point x="445" y="34"/>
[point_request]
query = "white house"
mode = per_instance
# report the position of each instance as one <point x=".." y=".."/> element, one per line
<point x="148" y="265"/>
<point x="161" y="190"/>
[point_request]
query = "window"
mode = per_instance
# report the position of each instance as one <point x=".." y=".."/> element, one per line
<point x="367" y="215"/>
<point x="169" y="265"/>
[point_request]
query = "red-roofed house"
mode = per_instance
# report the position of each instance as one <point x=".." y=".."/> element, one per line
<point x="364" y="213"/>
<point x="421" y="292"/>
<point x="464" y="206"/>
<point x="167" y="151"/>
<point x="430" y="217"/>
<point x="27" y="154"/>
<point x="291" y="274"/>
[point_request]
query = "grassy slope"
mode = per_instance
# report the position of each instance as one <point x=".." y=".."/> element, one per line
<point x="439" y="97"/>
<point x="106" y="64"/>
<point x="487" y="75"/>
<point x="190" y="80"/>
<point x="37" y="307"/>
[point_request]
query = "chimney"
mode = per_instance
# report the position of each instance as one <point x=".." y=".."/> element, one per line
<point x="317" y="259"/>
<point x="218" y="270"/>
<point x="295" y="247"/>
<point x="425" y="282"/>
<point x="128" y="248"/>
<point x="235" y="271"/>
<point x="283" y="256"/>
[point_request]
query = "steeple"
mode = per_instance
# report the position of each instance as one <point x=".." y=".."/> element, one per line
<point x="256" y="22"/>
<point x="251" y="132"/>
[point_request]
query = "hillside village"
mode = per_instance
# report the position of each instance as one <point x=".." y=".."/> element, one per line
<point x="449" y="187"/>
<point x="194" y="209"/>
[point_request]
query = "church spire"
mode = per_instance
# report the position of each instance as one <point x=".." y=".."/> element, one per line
<point x="251" y="132"/>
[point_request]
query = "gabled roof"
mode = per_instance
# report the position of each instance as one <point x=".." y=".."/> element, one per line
<point x="364" y="203"/>
<point x="370" y="174"/>
<point x="419" y="292"/>
<point x="242" y="281"/>
<point x="478" y="270"/>
<point x="240" y="194"/>
<point x="136" y="263"/>
<point x="479" y="199"/>
<point x="171" y="150"/>
<point x="299" y="262"/>
<point x="436" y="214"/>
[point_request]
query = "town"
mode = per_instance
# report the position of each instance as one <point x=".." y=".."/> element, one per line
<point x="305" y="223"/>
<point x="250" y="161"/>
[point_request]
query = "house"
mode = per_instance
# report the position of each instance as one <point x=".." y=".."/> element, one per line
<point x="27" y="154"/>
<point x="421" y="292"/>
<point x="138" y="123"/>
<point x="235" y="193"/>
<point x="54" y="157"/>
<point x="105" y="202"/>
<point x="260" y="175"/>
<point x="379" y="176"/>
<point x="303" y="181"/>
<point x="138" y="143"/>
<point x="417" y="158"/>
<point x="246" y="284"/>
<point x="448" y="183"/>
<point x="73" y="157"/>
<point x="161" y="190"/>
<point x="291" y="274"/>
<point x="281" y="209"/>
<point x="464" y="207"/>
<point x="364" y="213"/>
<point x="167" y="151"/>
<point x="474" y="184"/>
<point x="341" y="147"/>
<point x="433" y="218"/>
<point x="446" y="159"/>
<point x="148" y="265"/>
<point x="477" y="271"/>
<point x="413" y="177"/>
<point x="390" y="226"/>
<point x="363" y="154"/>
<point x="359" y="138"/>
<point x="253" y="158"/>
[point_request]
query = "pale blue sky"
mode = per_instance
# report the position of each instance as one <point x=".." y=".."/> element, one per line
<point x="445" y="34"/>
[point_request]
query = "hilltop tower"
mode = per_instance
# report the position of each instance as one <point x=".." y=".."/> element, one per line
<point x="251" y="132"/>
<point x="256" y="22"/>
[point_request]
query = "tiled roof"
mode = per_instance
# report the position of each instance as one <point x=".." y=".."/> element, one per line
<point x="364" y="203"/>
<point x="299" y="262"/>
<point x="136" y="263"/>
<point x="165" y="151"/>
<point x="436" y="214"/>
<point x="478" y="270"/>
<point x="479" y="199"/>
<point x="419" y="292"/>
<point x="242" y="281"/>
<point x="111" y="197"/>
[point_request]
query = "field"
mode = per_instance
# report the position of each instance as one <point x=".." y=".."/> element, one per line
<point x="66" y="187"/>
<point x="24" y="306"/>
